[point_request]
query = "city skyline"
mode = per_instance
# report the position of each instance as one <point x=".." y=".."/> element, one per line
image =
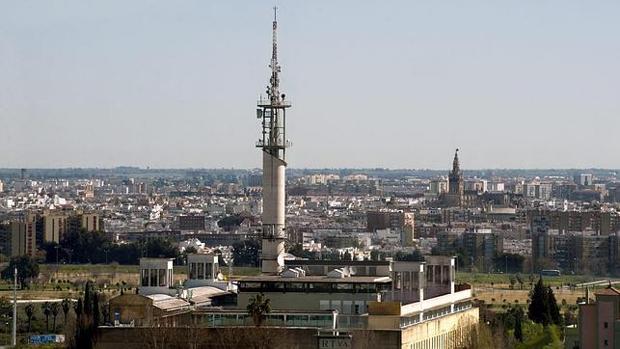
<point x="167" y="86"/>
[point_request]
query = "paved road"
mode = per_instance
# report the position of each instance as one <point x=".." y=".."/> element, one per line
<point x="51" y="300"/>
<point x="598" y="283"/>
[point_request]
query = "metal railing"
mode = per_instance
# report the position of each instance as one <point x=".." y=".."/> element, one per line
<point x="267" y="103"/>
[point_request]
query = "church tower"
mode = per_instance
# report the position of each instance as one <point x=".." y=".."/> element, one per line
<point x="454" y="196"/>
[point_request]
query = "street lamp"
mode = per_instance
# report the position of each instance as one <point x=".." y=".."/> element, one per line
<point x="57" y="265"/>
<point x="14" y="338"/>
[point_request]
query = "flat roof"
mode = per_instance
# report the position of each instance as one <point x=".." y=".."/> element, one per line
<point x="317" y="279"/>
<point x="204" y="294"/>
<point x="330" y="262"/>
<point x="156" y="259"/>
<point x="220" y="310"/>
<point x="168" y="303"/>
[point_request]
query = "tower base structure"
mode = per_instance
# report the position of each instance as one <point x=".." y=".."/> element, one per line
<point x="274" y="196"/>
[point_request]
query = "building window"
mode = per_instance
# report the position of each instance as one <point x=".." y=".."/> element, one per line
<point x="605" y="324"/>
<point x="145" y="277"/>
<point x="209" y="271"/>
<point x="192" y="271"/>
<point x="153" y="277"/>
<point x="201" y="271"/>
<point x="162" y="277"/>
<point x="446" y="275"/>
<point x="606" y="343"/>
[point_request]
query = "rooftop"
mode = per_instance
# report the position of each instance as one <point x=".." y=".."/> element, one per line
<point x="333" y="262"/>
<point x="608" y="291"/>
<point x="318" y="279"/>
<point x="203" y="294"/>
<point x="168" y="303"/>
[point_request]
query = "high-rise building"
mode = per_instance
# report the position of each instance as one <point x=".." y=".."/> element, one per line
<point x="439" y="186"/>
<point x="591" y="253"/>
<point x="478" y="185"/>
<point x="384" y="219"/>
<point x="23" y="238"/>
<point x="538" y="190"/>
<point x="482" y="247"/>
<point x="55" y="226"/>
<point x="599" y="221"/>
<point x="91" y="222"/>
<point x="614" y="193"/>
<point x="58" y="223"/>
<point x="496" y="186"/>
<point x="584" y="179"/>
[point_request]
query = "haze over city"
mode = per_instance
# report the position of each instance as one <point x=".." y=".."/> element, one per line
<point x="530" y="84"/>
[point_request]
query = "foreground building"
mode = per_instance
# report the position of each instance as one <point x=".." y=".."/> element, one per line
<point x="599" y="322"/>
<point x="389" y="304"/>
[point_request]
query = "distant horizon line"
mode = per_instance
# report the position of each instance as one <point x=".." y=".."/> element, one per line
<point x="148" y="168"/>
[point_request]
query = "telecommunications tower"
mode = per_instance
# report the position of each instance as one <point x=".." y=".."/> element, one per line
<point x="272" y="113"/>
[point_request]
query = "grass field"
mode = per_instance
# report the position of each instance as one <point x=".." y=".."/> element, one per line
<point x="67" y="280"/>
<point x="502" y="296"/>
<point x="495" y="289"/>
<point x="504" y="279"/>
<point x="79" y="268"/>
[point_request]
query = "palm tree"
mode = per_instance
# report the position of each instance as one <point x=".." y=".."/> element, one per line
<point x="47" y="311"/>
<point x="29" y="309"/>
<point x="66" y="306"/>
<point x="258" y="308"/>
<point x="55" y="308"/>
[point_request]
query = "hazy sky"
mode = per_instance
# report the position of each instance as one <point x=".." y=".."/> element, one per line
<point x="395" y="84"/>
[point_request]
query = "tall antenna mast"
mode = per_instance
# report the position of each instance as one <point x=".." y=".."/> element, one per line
<point x="273" y="90"/>
<point x="273" y="143"/>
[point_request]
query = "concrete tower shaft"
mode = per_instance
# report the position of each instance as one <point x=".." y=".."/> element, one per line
<point x="272" y="112"/>
<point x="274" y="233"/>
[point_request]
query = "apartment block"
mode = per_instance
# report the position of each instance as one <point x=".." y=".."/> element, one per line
<point x="23" y="238"/>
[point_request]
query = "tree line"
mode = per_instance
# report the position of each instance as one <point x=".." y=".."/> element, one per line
<point x="81" y="247"/>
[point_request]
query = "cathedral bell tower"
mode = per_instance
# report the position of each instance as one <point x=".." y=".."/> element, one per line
<point x="454" y="197"/>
